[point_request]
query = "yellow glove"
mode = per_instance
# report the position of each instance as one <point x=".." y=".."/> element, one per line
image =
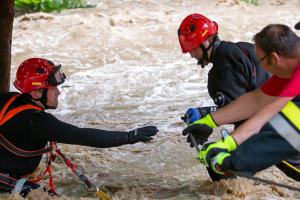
<point x="210" y="150"/>
<point x="207" y="120"/>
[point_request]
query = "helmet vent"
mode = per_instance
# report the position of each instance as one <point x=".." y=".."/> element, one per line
<point x="192" y="28"/>
<point x="40" y="70"/>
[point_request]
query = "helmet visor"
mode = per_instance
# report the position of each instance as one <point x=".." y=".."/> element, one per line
<point x="57" y="76"/>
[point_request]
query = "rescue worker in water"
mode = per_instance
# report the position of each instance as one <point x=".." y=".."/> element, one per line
<point x="25" y="127"/>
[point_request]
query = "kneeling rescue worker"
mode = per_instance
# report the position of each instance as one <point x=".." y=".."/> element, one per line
<point x="271" y="135"/>
<point x="236" y="71"/>
<point x="26" y="129"/>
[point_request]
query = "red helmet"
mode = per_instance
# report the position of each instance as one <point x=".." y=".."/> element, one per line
<point x="38" y="73"/>
<point x="195" y="29"/>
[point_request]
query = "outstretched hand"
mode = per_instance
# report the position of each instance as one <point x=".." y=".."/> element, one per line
<point x="143" y="134"/>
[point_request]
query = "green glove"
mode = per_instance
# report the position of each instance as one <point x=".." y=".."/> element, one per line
<point x="217" y="161"/>
<point x="207" y="120"/>
<point x="210" y="150"/>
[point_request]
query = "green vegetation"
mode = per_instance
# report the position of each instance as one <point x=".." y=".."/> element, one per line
<point x="25" y="6"/>
<point x="254" y="2"/>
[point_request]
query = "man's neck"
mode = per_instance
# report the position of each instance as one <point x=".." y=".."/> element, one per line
<point x="290" y="65"/>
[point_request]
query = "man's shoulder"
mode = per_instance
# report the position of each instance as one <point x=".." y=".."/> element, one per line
<point x="232" y="52"/>
<point x="229" y="47"/>
<point x="5" y="96"/>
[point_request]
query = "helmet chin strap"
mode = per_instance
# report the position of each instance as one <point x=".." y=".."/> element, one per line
<point x="205" y="52"/>
<point x="43" y="98"/>
<point x="201" y="62"/>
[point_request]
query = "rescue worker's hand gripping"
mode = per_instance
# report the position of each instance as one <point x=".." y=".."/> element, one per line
<point x="213" y="154"/>
<point x="217" y="162"/>
<point x="143" y="134"/>
<point x="194" y="114"/>
<point x="201" y="129"/>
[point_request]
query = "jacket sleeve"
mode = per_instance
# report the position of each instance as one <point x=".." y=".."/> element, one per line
<point x="46" y="127"/>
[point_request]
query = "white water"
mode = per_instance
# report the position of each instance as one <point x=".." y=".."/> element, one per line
<point x="125" y="70"/>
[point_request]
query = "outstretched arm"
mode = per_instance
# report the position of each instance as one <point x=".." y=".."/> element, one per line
<point x="46" y="127"/>
<point x="242" y="108"/>
<point x="255" y="123"/>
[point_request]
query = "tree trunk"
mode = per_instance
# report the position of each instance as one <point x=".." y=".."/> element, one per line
<point x="6" y="26"/>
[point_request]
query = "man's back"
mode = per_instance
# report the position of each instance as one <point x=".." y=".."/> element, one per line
<point x="235" y="71"/>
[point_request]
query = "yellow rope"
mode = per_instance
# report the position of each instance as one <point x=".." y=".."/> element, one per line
<point x="102" y="195"/>
<point x="291" y="166"/>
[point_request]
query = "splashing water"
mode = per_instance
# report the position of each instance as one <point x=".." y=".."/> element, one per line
<point x="125" y="70"/>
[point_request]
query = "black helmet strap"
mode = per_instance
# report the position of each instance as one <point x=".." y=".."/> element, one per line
<point x="43" y="98"/>
<point x="205" y="51"/>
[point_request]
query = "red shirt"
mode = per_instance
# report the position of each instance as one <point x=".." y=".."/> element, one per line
<point x="283" y="87"/>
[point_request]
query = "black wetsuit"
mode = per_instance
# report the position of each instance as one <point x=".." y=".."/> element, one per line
<point x="235" y="71"/>
<point x="31" y="130"/>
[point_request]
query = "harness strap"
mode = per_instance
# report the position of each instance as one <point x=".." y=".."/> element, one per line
<point x="7" y="105"/>
<point x="19" y="152"/>
<point x="4" y="178"/>
<point x="53" y="147"/>
<point x="15" y="111"/>
<point x="41" y="176"/>
<point x="4" y="117"/>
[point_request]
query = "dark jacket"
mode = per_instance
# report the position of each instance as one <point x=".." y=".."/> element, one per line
<point x="235" y="71"/>
<point x="31" y="130"/>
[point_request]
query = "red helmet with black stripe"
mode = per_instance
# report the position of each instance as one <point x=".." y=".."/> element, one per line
<point x="194" y="30"/>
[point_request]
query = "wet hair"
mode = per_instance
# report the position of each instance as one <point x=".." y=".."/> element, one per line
<point x="278" y="38"/>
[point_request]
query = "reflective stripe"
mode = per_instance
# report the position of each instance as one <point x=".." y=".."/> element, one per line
<point x="292" y="112"/>
<point x="286" y="130"/>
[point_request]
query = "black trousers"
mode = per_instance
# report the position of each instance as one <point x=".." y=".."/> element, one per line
<point x="263" y="150"/>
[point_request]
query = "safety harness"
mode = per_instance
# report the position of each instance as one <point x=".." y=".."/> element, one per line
<point x="4" y="117"/>
<point x="51" y="148"/>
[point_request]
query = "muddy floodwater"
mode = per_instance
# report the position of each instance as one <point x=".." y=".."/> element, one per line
<point x="125" y="70"/>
